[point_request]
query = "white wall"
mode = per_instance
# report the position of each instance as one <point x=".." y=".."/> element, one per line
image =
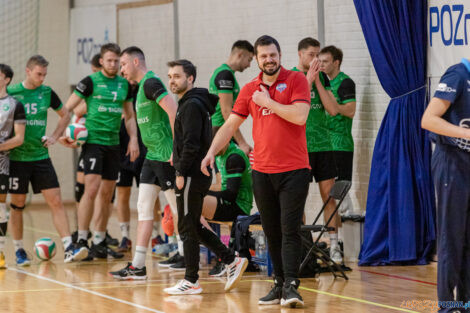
<point x="207" y="29"/>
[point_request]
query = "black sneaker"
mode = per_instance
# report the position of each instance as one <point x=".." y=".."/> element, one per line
<point x="125" y="245"/>
<point x="290" y="295"/>
<point x="174" y="259"/>
<point x="219" y="269"/>
<point x="180" y="265"/>
<point x="130" y="272"/>
<point x="100" y="250"/>
<point x="110" y="241"/>
<point x="275" y="294"/>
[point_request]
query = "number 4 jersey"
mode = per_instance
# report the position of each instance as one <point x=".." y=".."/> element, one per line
<point x="36" y="102"/>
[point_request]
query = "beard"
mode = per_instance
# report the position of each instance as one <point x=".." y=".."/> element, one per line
<point x="110" y="73"/>
<point x="179" y="89"/>
<point x="272" y="71"/>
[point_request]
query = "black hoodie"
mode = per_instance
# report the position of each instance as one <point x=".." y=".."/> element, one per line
<point x="193" y="130"/>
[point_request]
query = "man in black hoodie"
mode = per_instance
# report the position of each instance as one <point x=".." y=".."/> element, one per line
<point x="193" y="136"/>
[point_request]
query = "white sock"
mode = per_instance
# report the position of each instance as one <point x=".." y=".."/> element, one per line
<point x="125" y="227"/>
<point x="3" y="213"/>
<point x="82" y="234"/>
<point x="180" y="245"/>
<point x="333" y="240"/>
<point x="66" y="241"/>
<point x="18" y="244"/>
<point x="98" y="237"/>
<point x="3" y="239"/>
<point x="156" y="229"/>
<point x="139" y="257"/>
<point x="172" y="239"/>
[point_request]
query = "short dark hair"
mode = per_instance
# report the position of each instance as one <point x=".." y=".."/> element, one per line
<point x="188" y="68"/>
<point x="113" y="47"/>
<point x="243" y="45"/>
<point x="95" y="60"/>
<point x="135" y="52"/>
<point x="7" y="71"/>
<point x="308" y="42"/>
<point x="335" y="52"/>
<point x="37" y="60"/>
<point x="266" y="40"/>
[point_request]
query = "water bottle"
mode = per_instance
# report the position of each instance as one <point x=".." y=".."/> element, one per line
<point x="160" y="249"/>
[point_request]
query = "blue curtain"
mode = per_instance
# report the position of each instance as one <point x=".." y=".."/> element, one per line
<point x="400" y="217"/>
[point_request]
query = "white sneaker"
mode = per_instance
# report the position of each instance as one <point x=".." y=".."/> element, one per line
<point x="235" y="272"/>
<point x="184" y="287"/>
<point x="336" y="255"/>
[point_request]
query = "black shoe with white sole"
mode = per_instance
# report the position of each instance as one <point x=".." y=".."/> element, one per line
<point x="275" y="294"/>
<point x="290" y="295"/>
<point x="129" y="272"/>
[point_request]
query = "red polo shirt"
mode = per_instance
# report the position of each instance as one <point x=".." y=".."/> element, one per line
<point x="280" y="146"/>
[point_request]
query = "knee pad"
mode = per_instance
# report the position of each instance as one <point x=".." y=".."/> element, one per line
<point x="146" y="201"/>
<point x="79" y="190"/>
<point x="15" y="207"/>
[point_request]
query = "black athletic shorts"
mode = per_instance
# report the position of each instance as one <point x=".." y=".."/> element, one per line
<point x="40" y="173"/>
<point x="344" y="164"/>
<point x="158" y="173"/>
<point x="4" y="184"/>
<point x="80" y="164"/>
<point x="102" y="160"/>
<point x="323" y="165"/>
<point x="126" y="178"/>
<point x="227" y="211"/>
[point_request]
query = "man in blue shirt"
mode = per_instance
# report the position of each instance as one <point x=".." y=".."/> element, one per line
<point x="448" y="118"/>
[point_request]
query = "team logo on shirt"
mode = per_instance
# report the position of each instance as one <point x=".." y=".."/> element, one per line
<point x="312" y="94"/>
<point x="281" y="87"/>
<point x="463" y="144"/>
<point x="225" y="83"/>
<point x="444" y="88"/>
<point x="266" y="112"/>
<point x="6" y="107"/>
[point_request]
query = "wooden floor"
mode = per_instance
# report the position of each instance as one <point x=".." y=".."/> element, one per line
<point x="86" y="287"/>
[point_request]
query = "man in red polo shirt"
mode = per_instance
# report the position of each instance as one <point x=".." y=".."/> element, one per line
<point x="279" y="102"/>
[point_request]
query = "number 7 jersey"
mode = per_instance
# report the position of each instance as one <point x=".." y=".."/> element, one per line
<point x="105" y="98"/>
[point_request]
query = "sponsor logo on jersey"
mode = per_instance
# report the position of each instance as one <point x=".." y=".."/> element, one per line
<point x="316" y="106"/>
<point x="463" y="144"/>
<point x="97" y="97"/>
<point x="102" y="86"/>
<point x="444" y="88"/>
<point x="102" y="108"/>
<point x="4" y="133"/>
<point x="6" y="107"/>
<point x="223" y="83"/>
<point x="266" y="112"/>
<point x="36" y="123"/>
<point x="143" y="120"/>
<point x="81" y="87"/>
<point x="312" y="94"/>
<point x="281" y="87"/>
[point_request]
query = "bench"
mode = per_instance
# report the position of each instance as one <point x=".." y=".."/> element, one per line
<point x="254" y="227"/>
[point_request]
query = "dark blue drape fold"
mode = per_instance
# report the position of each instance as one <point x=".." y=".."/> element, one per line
<point x="400" y="217"/>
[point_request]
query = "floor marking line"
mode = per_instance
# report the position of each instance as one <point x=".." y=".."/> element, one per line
<point x="399" y="277"/>
<point x="86" y="290"/>
<point x="349" y="298"/>
<point x="41" y="231"/>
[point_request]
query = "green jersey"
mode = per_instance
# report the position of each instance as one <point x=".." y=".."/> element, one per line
<point x="231" y="167"/>
<point x="105" y="98"/>
<point x="223" y="81"/>
<point x="340" y="126"/>
<point x="153" y="121"/>
<point x="36" y="102"/>
<point x="318" y="134"/>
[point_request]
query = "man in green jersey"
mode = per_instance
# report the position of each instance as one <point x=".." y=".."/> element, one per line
<point x="235" y="196"/>
<point x="224" y="84"/>
<point x="156" y="111"/>
<point x="108" y="97"/>
<point x="319" y="144"/>
<point x="339" y="121"/>
<point x="30" y="162"/>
